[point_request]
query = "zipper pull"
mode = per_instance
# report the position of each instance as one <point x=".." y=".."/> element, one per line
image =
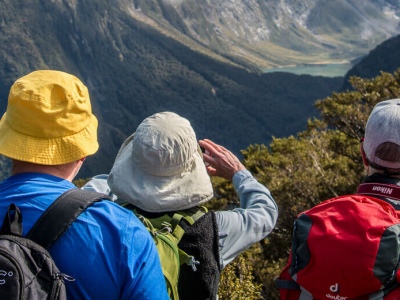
<point x="193" y="262"/>
<point x="66" y="277"/>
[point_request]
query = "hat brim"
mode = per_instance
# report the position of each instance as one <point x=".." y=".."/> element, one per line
<point x="159" y="193"/>
<point x="51" y="151"/>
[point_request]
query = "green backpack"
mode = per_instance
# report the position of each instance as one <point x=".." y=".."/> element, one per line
<point x="167" y="231"/>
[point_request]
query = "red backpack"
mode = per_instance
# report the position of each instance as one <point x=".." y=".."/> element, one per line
<point x="345" y="248"/>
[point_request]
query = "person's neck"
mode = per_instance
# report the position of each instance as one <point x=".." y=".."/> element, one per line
<point x="65" y="171"/>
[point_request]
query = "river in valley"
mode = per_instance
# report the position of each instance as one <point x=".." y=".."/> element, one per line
<point x="328" y="70"/>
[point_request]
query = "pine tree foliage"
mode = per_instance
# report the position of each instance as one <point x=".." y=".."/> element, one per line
<point x="237" y="282"/>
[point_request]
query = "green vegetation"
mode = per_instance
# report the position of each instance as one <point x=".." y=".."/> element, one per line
<point x="319" y="163"/>
<point x="237" y="281"/>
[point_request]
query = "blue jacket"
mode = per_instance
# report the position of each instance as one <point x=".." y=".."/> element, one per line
<point x="107" y="249"/>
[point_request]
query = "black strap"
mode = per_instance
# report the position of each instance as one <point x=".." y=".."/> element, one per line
<point x="151" y="215"/>
<point x="378" y="189"/>
<point x="287" y="284"/>
<point x="60" y="215"/>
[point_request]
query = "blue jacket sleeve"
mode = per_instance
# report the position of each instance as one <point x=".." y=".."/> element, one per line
<point x="254" y="220"/>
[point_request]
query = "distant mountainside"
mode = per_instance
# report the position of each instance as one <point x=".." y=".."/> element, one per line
<point x="134" y="69"/>
<point x="385" y="57"/>
<point x="274" y="32"/>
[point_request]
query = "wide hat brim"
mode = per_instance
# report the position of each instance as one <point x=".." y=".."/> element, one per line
<point x="48" y="151"/>
<point x="159" y="193"/>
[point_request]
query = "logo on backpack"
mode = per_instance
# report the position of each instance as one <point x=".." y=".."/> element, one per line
<point x="4" y="274"/>
<point x="334" y="288"/>
<point x="337" y="297"/>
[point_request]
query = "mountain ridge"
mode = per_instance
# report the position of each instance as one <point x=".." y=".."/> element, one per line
<point x="384" y="58"/>
<point x="277" y="33"/>
<point x="133" y="70"/>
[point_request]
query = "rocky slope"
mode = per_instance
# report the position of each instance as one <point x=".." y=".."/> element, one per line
<point x="274" y="32"/>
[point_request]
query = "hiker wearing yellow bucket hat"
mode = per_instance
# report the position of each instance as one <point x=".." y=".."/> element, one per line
<point x="47" y="131"/>
<point x="49" y="120"/>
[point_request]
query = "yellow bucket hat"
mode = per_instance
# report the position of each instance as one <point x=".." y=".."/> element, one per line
<point x="48" y="120"/>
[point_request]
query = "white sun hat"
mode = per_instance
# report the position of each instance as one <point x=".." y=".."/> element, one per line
<point x="160" y="168"/>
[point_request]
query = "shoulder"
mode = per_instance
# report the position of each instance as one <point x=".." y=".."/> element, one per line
<point x="107" y="222"/>
<point x="111" y="215"/>
<point x="113" y="229"/>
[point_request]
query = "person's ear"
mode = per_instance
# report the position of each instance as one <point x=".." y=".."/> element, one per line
<point x="363" y="156"/>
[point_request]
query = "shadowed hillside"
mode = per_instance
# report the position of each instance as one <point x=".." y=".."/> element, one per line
<point x="133" y="71"/>
<point x="385" y="57"/>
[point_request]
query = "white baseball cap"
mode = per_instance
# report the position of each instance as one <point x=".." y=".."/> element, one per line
<point x="383" y="126"/>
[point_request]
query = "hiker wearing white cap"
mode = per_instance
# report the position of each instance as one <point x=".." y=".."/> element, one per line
<point x="380" y="151"/>
<point x="48" y="130"/>
<point x="160" y="169"/>
<point x="348" y="247"/>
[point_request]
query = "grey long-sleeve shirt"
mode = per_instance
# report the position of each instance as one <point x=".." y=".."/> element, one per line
<point x="238" y="228"/>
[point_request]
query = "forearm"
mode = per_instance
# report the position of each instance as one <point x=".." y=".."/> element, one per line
<point x="253" y="221"/>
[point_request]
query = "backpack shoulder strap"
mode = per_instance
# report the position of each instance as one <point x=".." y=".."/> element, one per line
<point x="60" y="215"/>
<point x="174" y="223"/>
<point x="182" y="220"/>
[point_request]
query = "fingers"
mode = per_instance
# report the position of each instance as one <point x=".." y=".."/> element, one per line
<point x="212" y="154"/>
<point x="222" y="162"/>
<point x="212" y="147"/>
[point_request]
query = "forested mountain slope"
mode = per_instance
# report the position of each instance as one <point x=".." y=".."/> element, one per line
<point x="385" y="57"/>
<point x="133" y="70"/>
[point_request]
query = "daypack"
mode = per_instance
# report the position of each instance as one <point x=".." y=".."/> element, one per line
<point x="345" y="248"/>
<point x="27" y="270"/>
<point x="167" y="230"/>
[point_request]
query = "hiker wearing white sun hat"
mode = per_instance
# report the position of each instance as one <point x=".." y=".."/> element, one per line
<point x="166" y="170"/>
<point x="160" y="169"/>
<point x="47" y="131"/>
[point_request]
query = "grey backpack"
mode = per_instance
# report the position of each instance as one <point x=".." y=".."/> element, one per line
<point x="27" y="270"/>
